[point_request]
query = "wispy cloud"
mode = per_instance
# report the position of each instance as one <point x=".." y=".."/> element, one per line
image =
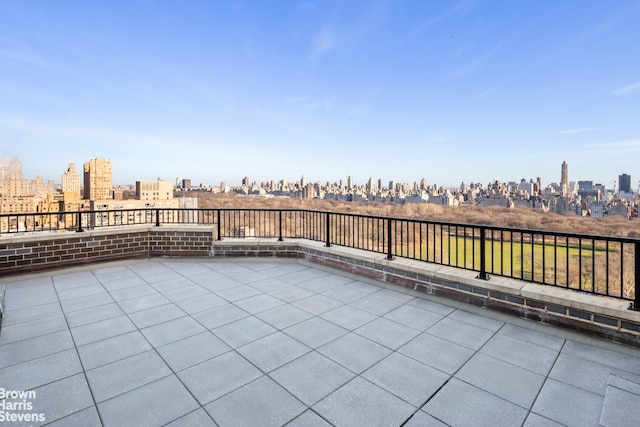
<point x="358" y="111"/>
<point x="619" y="147"/>
<point x="634" y="87"/>
<point x="316" y="105"/>
<point x="296" y="99"/>
<point x="476" y="63"/>
<point x="322" y="43"/>
<point x="484" y="94"/>
<point x="84" y="132"/>
<point x="576" y="130"/>
<point x="437" y="139"/>
<point x="417" y="30"/>
<point x="24" y="56"/>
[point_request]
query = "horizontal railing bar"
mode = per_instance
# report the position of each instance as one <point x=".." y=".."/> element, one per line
<point x="597" y="264"/>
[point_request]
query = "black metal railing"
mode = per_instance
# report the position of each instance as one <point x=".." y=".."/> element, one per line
<point x="603" y="265"/>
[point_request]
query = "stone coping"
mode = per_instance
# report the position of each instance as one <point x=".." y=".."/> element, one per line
<point x="41" y="236"/>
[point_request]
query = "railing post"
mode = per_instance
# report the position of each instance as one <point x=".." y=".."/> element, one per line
<point x="79" y="230"/>
<point x="280" y="226"/>
<point x="328" y="230"/>
<point x="389" y="242"/>
<point x="635" y="305"/>
<point x="157" y="217"/>
<point x="219" y="226"/>
<point x="483" y="257"/>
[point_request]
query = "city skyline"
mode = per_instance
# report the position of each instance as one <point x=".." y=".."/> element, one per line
<point x="347" y="181"/>
<point x="452" y="92"/>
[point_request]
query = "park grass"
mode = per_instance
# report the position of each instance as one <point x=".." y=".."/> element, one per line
<point x="558" y="264"/>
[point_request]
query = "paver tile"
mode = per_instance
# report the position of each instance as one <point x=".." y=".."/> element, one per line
<point x="461" y="404"/>
<point x="273" y="351"/>
<point x="216" y="377"/>
<point x="360" y="402"/>
<point x="568" y="405"/>
<point x="311" y="377"/>
<point x="315" y="332"/>
<point x="354" y="352"/>
<point x="260" y="403"/>
<point x="169" y="399"/>
<point x="190" y="351"/>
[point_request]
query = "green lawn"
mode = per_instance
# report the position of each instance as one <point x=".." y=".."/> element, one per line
<point x="520" y="260"/>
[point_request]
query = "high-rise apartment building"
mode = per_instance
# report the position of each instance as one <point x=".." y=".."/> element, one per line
<point x="564" y="179"/>
<point x="15" y="190"/>
<point x="14" y="184"/>
<point x="71" y="180"/>
<point x="624" y="183"/>
<point x="370" y="185"/>
<point x="98" y="179"/>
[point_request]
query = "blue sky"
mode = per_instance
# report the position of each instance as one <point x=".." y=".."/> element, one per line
<point x="216" y="90"/>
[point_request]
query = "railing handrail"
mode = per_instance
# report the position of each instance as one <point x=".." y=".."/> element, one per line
<point x="533" y="231"/>
<point x="558" y="258"/>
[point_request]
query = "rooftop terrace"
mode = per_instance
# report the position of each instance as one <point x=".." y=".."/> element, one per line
<point x="273" y="341"/>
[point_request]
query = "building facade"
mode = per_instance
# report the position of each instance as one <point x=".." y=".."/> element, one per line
<point x="71" y="180"/>
<point x="154" y="190"/>
<point x="624" y="183"/>
<point x="98" y="179"/>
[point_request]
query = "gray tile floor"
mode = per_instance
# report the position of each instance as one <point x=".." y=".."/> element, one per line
<point x="196" y="343"/>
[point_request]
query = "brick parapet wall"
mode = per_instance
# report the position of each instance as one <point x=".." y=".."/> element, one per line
<point x="29" y="253"/>
<point x="196" y="241"/>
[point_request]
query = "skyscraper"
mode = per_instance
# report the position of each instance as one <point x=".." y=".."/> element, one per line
<point x="98" y="179"/>
<point x="71" y="180"/>
<point x="564" y="178"/>
<point x="624" y="183"/>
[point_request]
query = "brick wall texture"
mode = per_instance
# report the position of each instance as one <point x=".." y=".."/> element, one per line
<point x="68" y="249"/>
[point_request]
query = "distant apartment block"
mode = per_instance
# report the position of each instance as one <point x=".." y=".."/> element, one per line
<point x="15" y="190"/>
<point x="40" y="188"/>
<point x="154" y="190"/>
<point x="71" y="180"/>
<point x="98" y="179"/>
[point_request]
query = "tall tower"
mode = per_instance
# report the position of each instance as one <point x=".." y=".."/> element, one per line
<point x="14" y="182"/>
<point x="71" y="180"/>
<point x="98" y="179"/>
<point x="624" y="183"/>
<point x="564" y="179"/>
